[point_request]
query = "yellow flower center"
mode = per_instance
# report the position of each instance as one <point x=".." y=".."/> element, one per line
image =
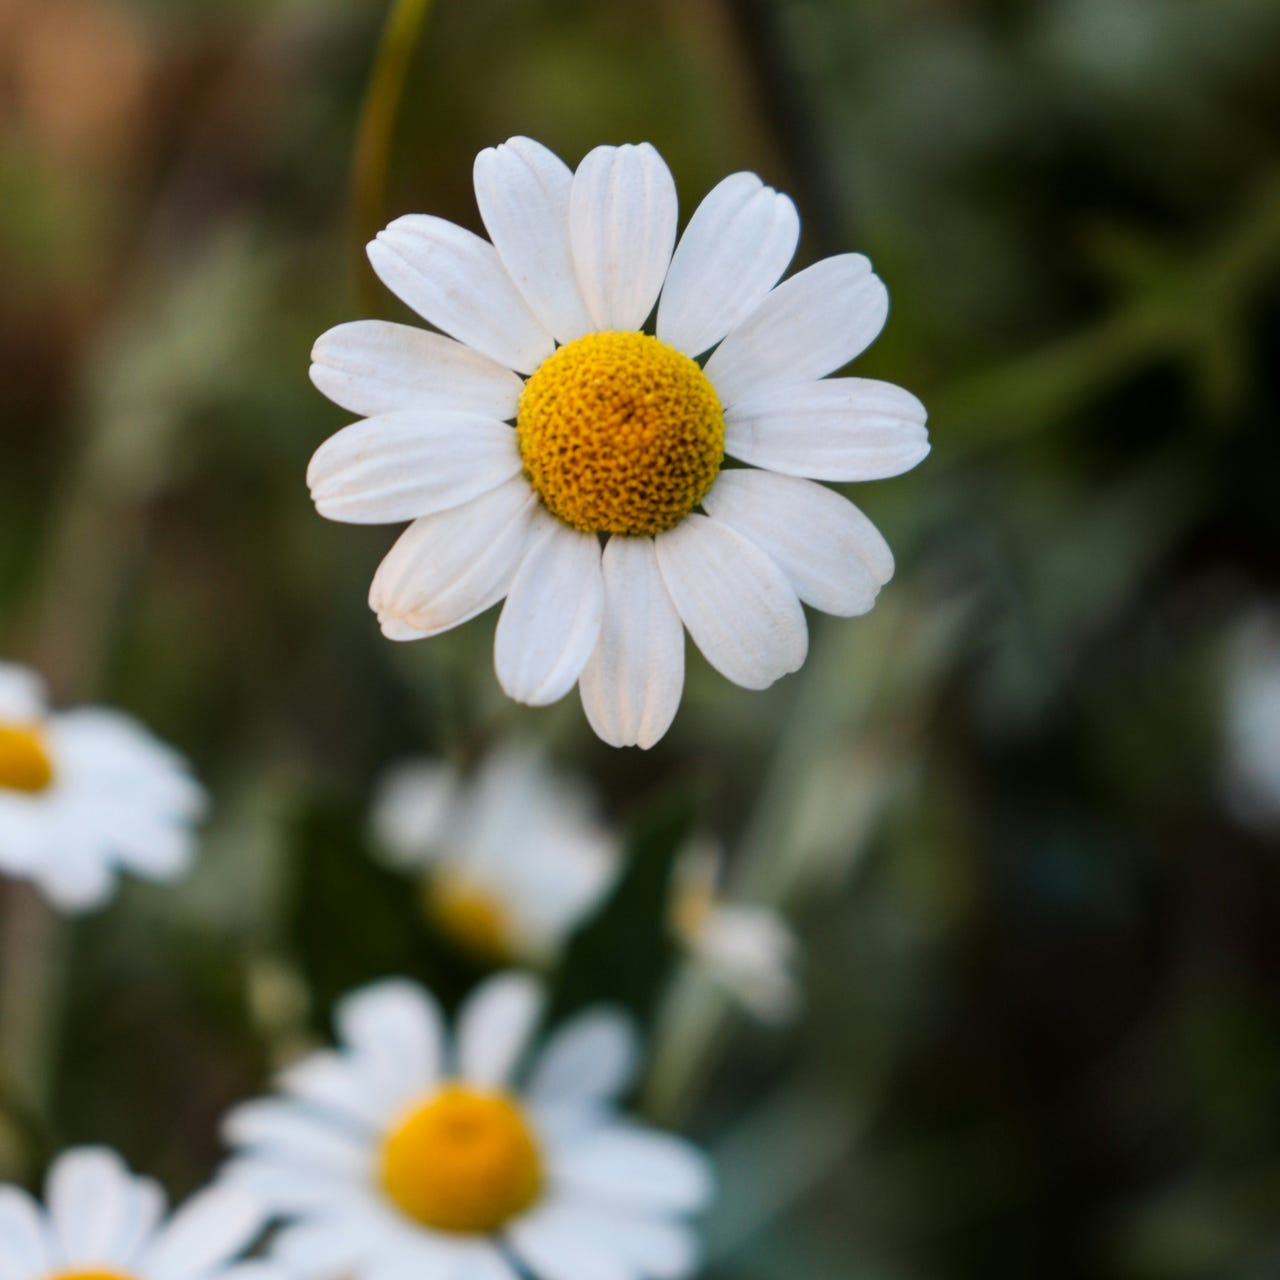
<point x="463" y="1161"/>
<point x="470" y="915"/>
<point x="692" y="909"/>
<point x="620" y="433"/>
<point x="24" y="760"/>
<point x="90" y="1273"/>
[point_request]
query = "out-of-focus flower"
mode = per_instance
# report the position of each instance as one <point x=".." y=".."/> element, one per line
<point x="101" y="1222"/>
<point x="406" y="1154"/>
<point x="748" y="949"/>
<point x="618" y="434"/>
<point x="1252" y="721"/>
<point x="514" y="856"/>
<point x="86" y="793"/>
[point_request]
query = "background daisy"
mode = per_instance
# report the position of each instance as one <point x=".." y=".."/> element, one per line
<point x="101" y="1222"/>
<point x="617" y="434"/>
<point x="85" y="794"/>
<point x="412" y="1152"/>
<point x="747" y="948"/>
<point x="513" y="855"/>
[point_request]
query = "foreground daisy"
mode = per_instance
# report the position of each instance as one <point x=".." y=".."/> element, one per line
<point x="513" y="857"/>
<point x="101" y="1222"/>
<point x="605" y="518"/>
<point x="408" y="1154"/>
<point x="747" y="949"/>
<point x="87" y="793"/>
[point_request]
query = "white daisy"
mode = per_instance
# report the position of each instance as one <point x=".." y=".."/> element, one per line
<point x="1251" y="737"/>
<point x="86" y="793"/>
<point x="403" y="1155"/>
<point x="101" y="1222"/>
<point x="747" y="949"/>
<point x="514" y="856"/>
<point x="619" y="435"/>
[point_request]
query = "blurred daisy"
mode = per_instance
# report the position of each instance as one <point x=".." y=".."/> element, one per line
<point x="101" y="1222"/>
<point x="1251" y="738"/>
<point x="86" y="793"/>
<point x="404" y="1154"/>
<point x="747" y="949"/>
<point x="605" y="518"/>
<point x="513" y="857"/>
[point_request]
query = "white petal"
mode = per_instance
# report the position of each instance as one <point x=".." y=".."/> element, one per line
<point x="622" y="218"/>
<point x="332" y="1082"/>
<point x="632" y="683"/>
<point x="414" y="808"/>
<point x="751" y="951"/>
<point x="455" y="280"/>
<point x="256" y="1269"/>
<point x="397" y="1034"/>
<point x="577" y="1228"/>
<point x="318" y="1248"/>
<point x="286" y="1131"/>
<point x="494" y="1027"/>
<point x="832" y="554"/>
<point x="637" y="1169"/>
<point x="23" y="696"/>
<point x="373" y="366"/>
<point x="446" y="568"/>
<point x="24" y="1239"/>
<point x="522" y="189"/>
<point x="738" y="243"/>
<point x="211" y="1228"/>
<point x="410" y="463"/>
<point x="552" y="1246"/>
<point x="736" y="602"/>
<point x="551" y="620"/>
<point x="143" y="1212"/>
<point x="836" y="429"/>
<point x="395" y="629"/>
<point x="807" y="327"/>
<point x="89" y="1194"/>
<point x="80" y="877"/>
<point x="591" y="1059"/>
<point x="290" y="1187"/>
<point x="490" y="1265"/>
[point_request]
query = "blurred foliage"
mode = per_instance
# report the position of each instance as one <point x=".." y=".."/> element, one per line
<point x="1042" y="1034"/>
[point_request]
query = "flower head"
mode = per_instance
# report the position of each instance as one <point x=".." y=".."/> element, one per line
<point x="86" y="793"/>
<point x="101" y="1222"/>
<point x="406" y="1154"/>
<point x="551" y="453"/>
<point x="748" y="949"/>
<point x="513" y="856"/>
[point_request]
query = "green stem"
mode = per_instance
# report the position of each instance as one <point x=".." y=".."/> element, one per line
<point x="377" y="124"/>
<point x="34" y="953"/>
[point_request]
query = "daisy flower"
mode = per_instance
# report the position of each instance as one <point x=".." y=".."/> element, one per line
<point x="745" y="948"/>
<point x="101" y="1222"/>
<point x="407" y="1155"/>
<point x="513" y="858"/>
<point x="606" y="517"/>
<point x="86" y="793"/>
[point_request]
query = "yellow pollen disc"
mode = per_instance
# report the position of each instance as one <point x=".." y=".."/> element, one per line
<point x="471" y="916"/>
<point x="464" y="1161"/>
<point x="620" y="433"/>
<point x="24" y="759"/>
<point x="90" y="1274"/>
<point x="692" y="909"/>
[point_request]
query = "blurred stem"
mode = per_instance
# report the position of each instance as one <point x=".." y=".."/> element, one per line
<point x="34" y="951"/>
<point x="781" y="85"/>
<point x="377" y="124"/>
